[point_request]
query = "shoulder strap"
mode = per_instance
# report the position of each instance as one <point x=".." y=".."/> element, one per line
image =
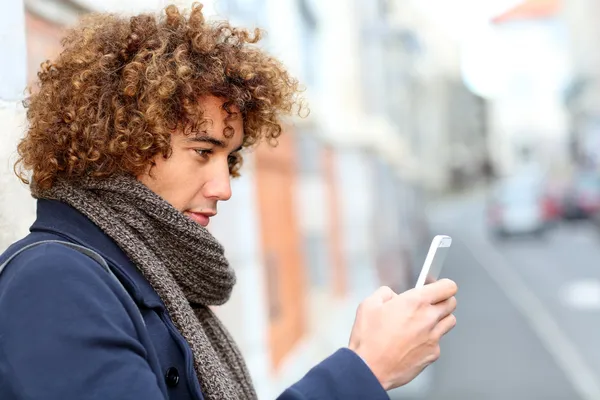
<point x="82" y="249"/>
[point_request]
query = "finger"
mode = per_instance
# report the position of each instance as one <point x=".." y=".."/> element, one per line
<point x="445" y="307"/>
<point x="444" y="326"/>
<point x="382" y="295"/>
<point x="439" y="291"/>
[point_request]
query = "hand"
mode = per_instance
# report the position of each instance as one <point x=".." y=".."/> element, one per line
<point x="398" y="335"/>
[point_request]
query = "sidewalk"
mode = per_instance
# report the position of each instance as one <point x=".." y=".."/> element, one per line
<point x="441" y="211"/>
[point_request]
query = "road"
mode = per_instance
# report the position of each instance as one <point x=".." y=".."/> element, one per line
<point x="528" y="312"/>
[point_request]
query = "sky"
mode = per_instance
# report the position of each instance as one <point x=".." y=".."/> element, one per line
<point x="468" y="23"/>
<point x="461" y="19"/>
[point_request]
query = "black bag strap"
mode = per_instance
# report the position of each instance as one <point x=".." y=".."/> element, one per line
<point x="82" y="249"/>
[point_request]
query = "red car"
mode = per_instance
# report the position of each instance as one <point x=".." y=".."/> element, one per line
<point x="582" y="197"/>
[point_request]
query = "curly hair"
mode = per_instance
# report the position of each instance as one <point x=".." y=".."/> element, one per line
<point x="110" y="101"/>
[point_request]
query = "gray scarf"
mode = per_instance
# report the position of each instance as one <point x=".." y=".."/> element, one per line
<point x="183" y="262"/>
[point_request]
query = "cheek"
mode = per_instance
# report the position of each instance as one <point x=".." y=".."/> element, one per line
<point x="184" y="182"/>
<point x="177" y="180"/>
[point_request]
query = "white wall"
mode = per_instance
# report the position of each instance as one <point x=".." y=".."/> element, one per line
<point x="16" y="205"/>
<point x="584" y="33"/>
<point x="125" y="6"/>
<point x="429" y="71"/>
<point x="357" y="195"/>
<point x="581" y="16"/>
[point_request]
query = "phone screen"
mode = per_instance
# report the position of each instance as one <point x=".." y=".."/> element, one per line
<point x="435" y="260"/>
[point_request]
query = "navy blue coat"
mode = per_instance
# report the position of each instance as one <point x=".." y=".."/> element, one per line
<point x="67" y="331"/>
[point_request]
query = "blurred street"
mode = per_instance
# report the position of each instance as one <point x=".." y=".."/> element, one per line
<point x="521" y="333"/>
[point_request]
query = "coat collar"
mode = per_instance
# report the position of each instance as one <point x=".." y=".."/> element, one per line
<point x="59" y="218"/>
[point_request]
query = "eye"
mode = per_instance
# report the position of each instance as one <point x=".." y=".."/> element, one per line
<point x="235" y="162"/>
<point x="233" y="158"/>
<point x="204" y="153"/>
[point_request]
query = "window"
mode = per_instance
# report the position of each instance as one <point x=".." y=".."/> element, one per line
<point x="309" y="44"/>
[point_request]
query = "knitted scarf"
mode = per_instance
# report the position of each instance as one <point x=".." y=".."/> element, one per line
<point x="183" y="262"/>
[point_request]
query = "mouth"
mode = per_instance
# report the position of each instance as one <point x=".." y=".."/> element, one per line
<point x="200" y="218"/>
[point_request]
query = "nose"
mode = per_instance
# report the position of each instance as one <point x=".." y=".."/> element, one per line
<point x="218" y="187"/>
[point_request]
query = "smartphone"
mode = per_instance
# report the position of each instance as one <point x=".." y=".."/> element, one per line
<point x="440" y="246"/>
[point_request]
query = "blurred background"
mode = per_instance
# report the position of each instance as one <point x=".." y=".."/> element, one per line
<point x="479" y="119"/>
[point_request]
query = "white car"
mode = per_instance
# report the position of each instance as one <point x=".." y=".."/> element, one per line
<point x="518" y="206"/>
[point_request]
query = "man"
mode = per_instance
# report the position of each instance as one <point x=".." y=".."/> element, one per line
<point x="134" y="135"/>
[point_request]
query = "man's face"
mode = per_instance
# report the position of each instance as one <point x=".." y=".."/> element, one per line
<point x="196" y="175"/>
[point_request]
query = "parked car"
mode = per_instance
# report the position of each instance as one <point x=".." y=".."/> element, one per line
<point x="554" y="194"/>
<point x="520" y="206"/>
<point x="581" y="199"/>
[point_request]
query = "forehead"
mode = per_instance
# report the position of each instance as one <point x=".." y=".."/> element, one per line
<point x="219" y="118"/>
<point x="219" y="121"/>
<point x="217" y="110"/>
<point x="218" y="107"/>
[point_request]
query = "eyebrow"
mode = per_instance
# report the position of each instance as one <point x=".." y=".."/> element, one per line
<point x="211" y="140"/>
<point x="206" y="139"/>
